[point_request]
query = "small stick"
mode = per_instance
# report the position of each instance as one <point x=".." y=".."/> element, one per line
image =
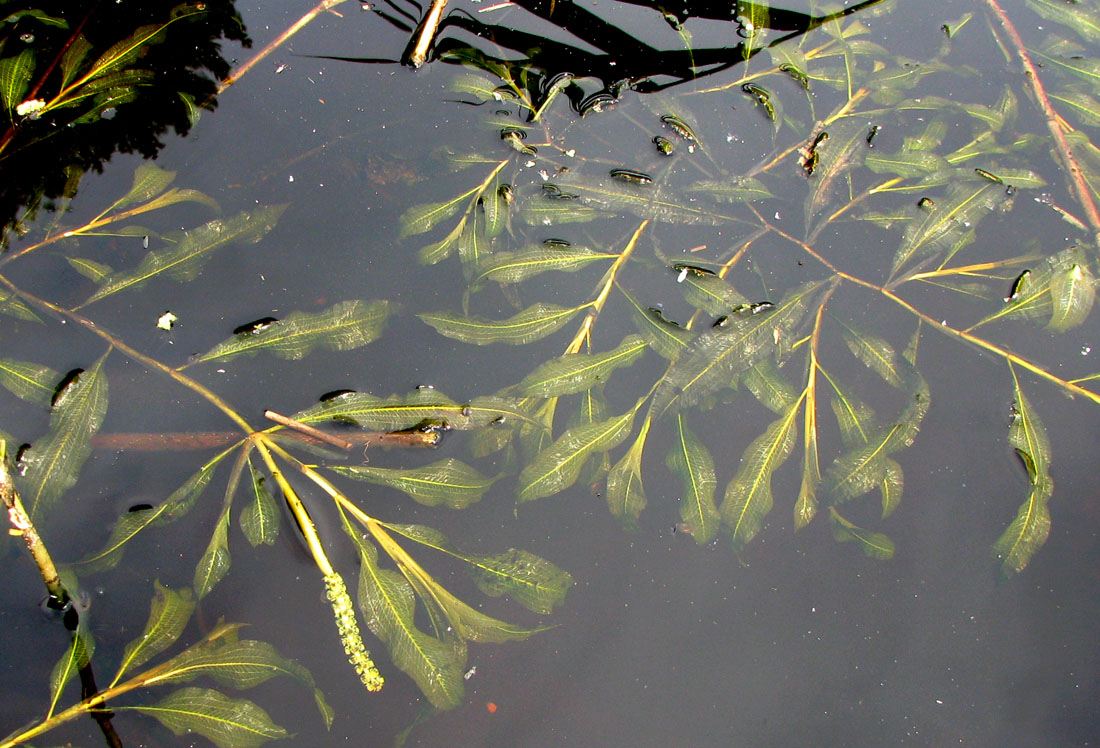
<point x="278" y="41"/>
<point x="307" y="429"/>
<point x="426" y="33"/>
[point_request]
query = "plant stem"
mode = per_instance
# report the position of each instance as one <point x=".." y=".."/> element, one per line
<point x="1077" y="180"/>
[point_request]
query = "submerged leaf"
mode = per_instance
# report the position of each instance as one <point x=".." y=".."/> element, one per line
<point x="226" y="722"/>
<point x="450" y="482"/>
<point x="388" y="602"/>
<point x="215" y="560"/>
<point x="625" y="493"/>
<point x="516" y="267"/>
<point x="184" y="260"/>
<point x="690" y="460"/>
<point x="15" y="76"/>
<point x="535" y="322"/>
<point x="260" y="517"/>
<point x="77" y="656"/>
<point x="374" y="413"/>
<point x="530" y="580"/>
<point x="873" y="544"/>
<point x="341" y="327"/>
<point x="31" y="382"/>
<point x="1072" y="293"/>
<point x="748" y="496"/>
<point x="53" y="463"/>
<point x="557" y="467"/>
<point x="581" y="371"/>
<point x="168" y="614"/>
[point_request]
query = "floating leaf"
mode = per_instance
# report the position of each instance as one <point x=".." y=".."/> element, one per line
<point x="216" y="559"/>
<point x="31" y="382"/>
<point x="450" y="482"/>
<point x="260" y="517"/>
<point x="53" y="463"/>
<point x="873" y="544"/>
<point x="690" y="460"/>
<point x="557" y="467"/>
<point x="535" y="322"/>
<point x="388" y="602"/>
<point x="226" y="722"/>
<point x="184" y="260"/>
<point x="581" y="371"/>
<point x="748" y="496"/>
<point x="341" y="327"/>
<point x="168" y="614"/>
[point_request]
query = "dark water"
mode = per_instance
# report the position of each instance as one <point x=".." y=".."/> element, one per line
<point x="796" y="640"/>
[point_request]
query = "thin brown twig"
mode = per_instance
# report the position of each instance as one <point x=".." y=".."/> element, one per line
<point x="425" y="34"/>
<point x="307" y="429"/>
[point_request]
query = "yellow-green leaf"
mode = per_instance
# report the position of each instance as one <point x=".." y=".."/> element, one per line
<point x="260" y="517"/>
<point x="168" y="614"/>
<point x="31" y="382"/>
<point x="873" y="544"/>
<point x="341" y="327"/>
<point x="691" y="461"/>
<point x="450" y="482"/>
<point x="226" y="722"/>
<point x="581" y="371"/>
<point x="535" y="322"/>
<point x="1072" y="293"/>
<point x="216" y="559"/>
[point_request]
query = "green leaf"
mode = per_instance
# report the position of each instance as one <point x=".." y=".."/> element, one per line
<point x="226" y="722"/>
<point x="1028" y="436"/>
<point x="643" y="201"/>
<point x="873" y="544"/>
<point x="260" y="517"/>
<point x="557" y="467"/>
<point x="1027" y="532"/>
<point x="625" y="492"/>
<point x="909" y="164"/>
<point x="721" y="352"/>
<point x="954" y="216"/>
<point x="341" y="327"/>
<point x="765" y="382"/>
<point x="421" y="218"/>
<point x="90" y="269"/>
<point x="168" y="614"/>
<point x="578" y="372"/>
<point x="404" y="411"/>
<point x="1072" y="293"/>
<point x="533" y="323"/>
<point x="530" y="580"/>
<point x="74" y="55"/>
<point x="893" y="483"/>
<point x="388" y="602"/>
<point x="516" y="267"/>
<point x="31" y="382"/>
<point x="734" y="190"/>
<point x="748" y="496"/>
<point x="841" y="153"/>
<point x="711" y="294"/>
<point x="440" y="250"/>
<point x="216" y="559"/>
<point x="78" y="655"/>
<point x="690" y="460"/>
<point x="15" y="76"/>
<point x="1079" y="17"/>
<point x="664" y="337"/>
<point x="876" y="354"/>
<point x="53" y="463"/>
<point x="11" y="305"/>
<point x="183" y="261"/>
<point x="149" y="181"/>
<point x="122" y="53"/>
<point x="449" y="481"/>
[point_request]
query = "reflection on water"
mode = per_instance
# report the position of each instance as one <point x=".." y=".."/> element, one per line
<point x="792" y="638"/>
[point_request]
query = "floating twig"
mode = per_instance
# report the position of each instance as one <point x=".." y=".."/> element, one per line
<point x="307" y="429"/>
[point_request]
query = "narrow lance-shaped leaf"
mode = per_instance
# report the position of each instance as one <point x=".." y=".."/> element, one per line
<point x="875" y="353"/>
<point x="625" y="492"/>
<point x="535" y="322"/>
<point x="53" y="463"/>
<point x="516" y="267"/>
<point x="226" y="722"/>
<point x="931" y="231"/>
<point x="722" y="352"/>
<point x="873" y="544"/>
<point x="425" y="217"/>
<point x="690" y="460"/>
<point x="748" y="496"/>
<point x="78" y="655"/>
<point x="15" y="76"/>
<point x="341" y="327"/>
<point x="670" y="341"/>
<point x="388" y="602"/>
<point x="450" y="482"/>
<point x="260" y="516"/>
<point x="131" y="523"/>
<point x="184" y="260"/>
<point x="149" y="181"/>
<point x="374" y="413"/>
<point x="1072" y="293"/>
<point x="216" y="559"/>
<point x="765" y="382"/>
<point x="557" y="467"/>
<point x="168" y="614"/>
<point x="530" y="580"/>
<point x="578" y="372"/>
<point x="1030" y="528"/>
<point x="31" y="382"/>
